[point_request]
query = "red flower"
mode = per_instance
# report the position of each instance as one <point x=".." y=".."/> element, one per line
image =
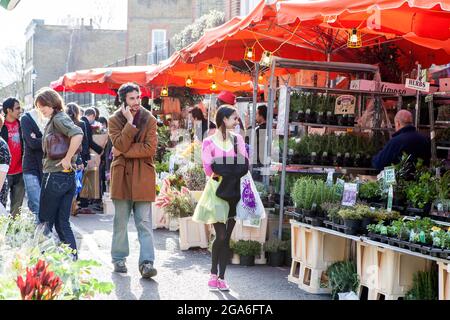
<point x="39" y="284"/>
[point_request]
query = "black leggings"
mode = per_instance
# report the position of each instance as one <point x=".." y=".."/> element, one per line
<point x="221" y="246"/>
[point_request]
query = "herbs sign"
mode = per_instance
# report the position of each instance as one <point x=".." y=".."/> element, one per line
<point x="417" y="85"/>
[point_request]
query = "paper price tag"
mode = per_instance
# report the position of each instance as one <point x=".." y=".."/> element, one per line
<point x="390" y="198"/>
<point x="350" y="194"/>
<point x="330" y="177"/>
<point x="389" y="175"/>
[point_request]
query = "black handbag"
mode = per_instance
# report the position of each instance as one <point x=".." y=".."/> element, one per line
<point x="231" y="171"/>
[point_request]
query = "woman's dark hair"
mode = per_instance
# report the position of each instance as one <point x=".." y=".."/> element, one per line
<point x="262" y="111"/>
<point x="223" y="112"/>
<point x="197" y="114"/>
<point x="73" y="110"/>
<point x="127" y="88"/>
<point x="49" y="98"/>
<point x="97" y="113"/>
<point x="103" y="121"/>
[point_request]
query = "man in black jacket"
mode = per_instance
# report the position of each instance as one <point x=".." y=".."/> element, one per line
<point x="11" y="132"/>
<point x="405" y="140"/>
<point x="88" y="119"/>
<point x="32" y="130"/>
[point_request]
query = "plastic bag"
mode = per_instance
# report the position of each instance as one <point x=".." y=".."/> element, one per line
<point x="210" y="208"/>
<point x="348" y="296"/>
<point x="78" y="181"/>
<point x="3" y="211"/>
<point x="250" y="206"/>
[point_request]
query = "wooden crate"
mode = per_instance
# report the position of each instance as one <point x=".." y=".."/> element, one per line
<point x="159" y="218"/>
<point x="309" y="279"/>
<point x="317" y="249"/>
<point x="108" y="205"/>
<point x="387" y="274"/>
<point x="192" y="234"/>
<point x="444" y="281"/>
<point x="241" y="232"/>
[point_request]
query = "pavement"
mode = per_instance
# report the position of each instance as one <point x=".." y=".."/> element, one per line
<point x="182" y="275"/>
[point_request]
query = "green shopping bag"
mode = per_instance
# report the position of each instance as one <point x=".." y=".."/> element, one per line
<point x="210" y="208"/>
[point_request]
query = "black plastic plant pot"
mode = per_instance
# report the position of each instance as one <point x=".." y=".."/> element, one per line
<point x="425" y="249"/>
<point x="367" y="161"/>
<point x="308" y="213"/>
<point x="336" y="220"/>
<point x="338" y="160"/>
<point x="287" y="259"/>
<point x="364" y="223"/>
<point x="358" y="161"/>
<point x="352" y="226"/>
<point x="296" y="159"/>
<point x="325" y="159"/>
<point x="311" y="117"/>
<point x="248" y="261"/>
<point x="301" y="116"/>
<point x="276" y="259"/>
<point x="313" y="158"/>
<point x="331" y="119"/>
<point x="293" y="117"/>
<point x="316" y="222"/>
<point x="352" y="223"/>
<point x="340" y="121"/>
<point x="347" y="161"/>
<point x="321" y="118"/>
<point x="351" y="120"/>
<point x="414" y="247"/>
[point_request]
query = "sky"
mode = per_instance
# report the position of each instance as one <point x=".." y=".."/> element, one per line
<point x="110" y="14"/>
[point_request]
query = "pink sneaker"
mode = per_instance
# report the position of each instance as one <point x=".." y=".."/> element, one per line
<point x="222" y="285"/>
<point x="213" y="282"/>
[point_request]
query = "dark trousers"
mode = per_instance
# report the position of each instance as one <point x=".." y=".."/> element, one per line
<point x="57" y="192"/>
<point x="16" y="191"/>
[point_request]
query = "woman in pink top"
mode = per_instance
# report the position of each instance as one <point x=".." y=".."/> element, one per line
<point x="222" y="144"/>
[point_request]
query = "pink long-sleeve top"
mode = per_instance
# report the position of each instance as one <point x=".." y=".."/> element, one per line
<point x="213" y="148"/>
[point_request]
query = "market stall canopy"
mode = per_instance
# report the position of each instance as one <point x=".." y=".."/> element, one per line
<point x="424" y="23"/>
<point x="9" y="4"/>
<point x="290" y="34"/>
<point x="102" y="80"/>
<point x="255" y="31"/>
<point x="175" y="72"/>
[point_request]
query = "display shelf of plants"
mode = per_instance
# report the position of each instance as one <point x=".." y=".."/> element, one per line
<point x="417" y="192"/>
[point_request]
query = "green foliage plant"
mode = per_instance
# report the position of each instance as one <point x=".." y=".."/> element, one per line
<point x="342" y="277"/>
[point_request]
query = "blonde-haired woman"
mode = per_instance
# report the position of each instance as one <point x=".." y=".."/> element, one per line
<point x="58" y="183"/>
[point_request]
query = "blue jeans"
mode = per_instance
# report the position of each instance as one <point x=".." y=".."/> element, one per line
<point x="57" y="193"/>
<point x="142" y="219"/>
<point x="33" y="190"/>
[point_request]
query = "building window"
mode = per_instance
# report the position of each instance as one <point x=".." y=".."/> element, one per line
<point x="159" y="45"/>
<point x="247" y="6"/>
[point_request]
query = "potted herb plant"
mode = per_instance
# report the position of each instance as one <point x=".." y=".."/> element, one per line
<point x="370" y="191"/>
<point x="330" y="101"/>
<point x="195" y="179"/>
<point x="321" y="109"/>
<point x="442" y="203"/>
<point x="352" y="220"/>
<point x="310" y="113"/>
<point x="247" y="250"/>
<point x="420" y="194"/>
<point x="331" y="210"/>
<point x="276" y="255"/>
<point x="342" y="277"/>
